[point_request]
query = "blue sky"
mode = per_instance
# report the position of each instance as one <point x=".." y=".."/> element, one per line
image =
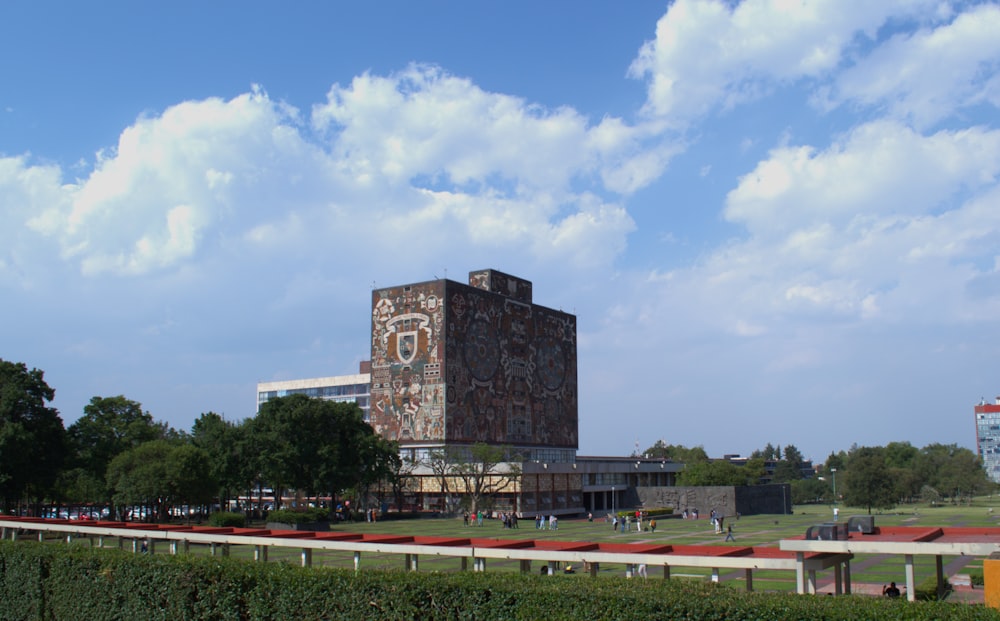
<point x="776" y="221"/>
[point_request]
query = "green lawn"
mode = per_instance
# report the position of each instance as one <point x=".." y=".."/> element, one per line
<point x="759" y="530"/>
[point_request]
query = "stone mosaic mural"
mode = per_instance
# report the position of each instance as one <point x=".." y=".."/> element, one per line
<point x="468" y="363"/>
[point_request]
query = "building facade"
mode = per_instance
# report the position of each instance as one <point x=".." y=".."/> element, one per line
<point x="455" y="364"/>
<point x="340" y="388"/>
<point x="988" y="437"/>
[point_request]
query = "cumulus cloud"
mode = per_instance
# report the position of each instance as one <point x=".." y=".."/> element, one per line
<point x="925" y="76"/>
<point x="420" y="155"/>
<point x="882" y="168"/>
<point x="884" y="225"/>
<point x="710" y="55"/>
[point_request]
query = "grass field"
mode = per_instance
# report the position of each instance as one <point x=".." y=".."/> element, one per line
<point x="759" y="530"/>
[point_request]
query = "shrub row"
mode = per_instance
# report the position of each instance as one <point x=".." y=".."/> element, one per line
<point x="228" y="518"/>
<point x="46" y="581"/>
<point x="294" y="516"/>
<point x="647" y="514"/>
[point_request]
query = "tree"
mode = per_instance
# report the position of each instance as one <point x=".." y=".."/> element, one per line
<point x="712" y="473"/>
<point x="901" y="455"/>
<point x="789" y="468"/>
<point x="953" y="471"/>
<point x="161" y="474"/>
<point x="109" y="427"/>
<point x="963" y="475"/>
<point x="401" y="476"/>
<point x="676" y="452"/>
<point x="806" y="491"/>
<point x="32" y="437"/>
<point x="487" y="472"/>
<point x="868" y="480"/>
<point x="439" y="462"/>
<point x="222" y="441"/>
<point x="312" y="445"/>
<point x="380" y="461"/>
<point x="755" y="470"/>
<point x="836" y="460"/>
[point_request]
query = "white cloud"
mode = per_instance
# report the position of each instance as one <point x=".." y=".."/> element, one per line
<point x="174" y="178"/>
<point x="926" y="76"/>
<point x="420" y="155"/>
<point x="880" y="168"/>
<point x="710" y="55"/>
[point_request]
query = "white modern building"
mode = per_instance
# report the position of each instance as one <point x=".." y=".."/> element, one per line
<point x="354" y="388"/>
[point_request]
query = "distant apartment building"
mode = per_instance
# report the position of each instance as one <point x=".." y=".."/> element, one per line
<point x="988" y="437"/>
<point x="354" y="388"/>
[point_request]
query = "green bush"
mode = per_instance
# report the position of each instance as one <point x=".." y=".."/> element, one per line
<point x="976" y="577"/>
<point x="659" y="512"/>
<point x="926" y="590"/>
<point x="57" y="581"/>
<point x="228" y="518"/>
<point x="292" y="516"/>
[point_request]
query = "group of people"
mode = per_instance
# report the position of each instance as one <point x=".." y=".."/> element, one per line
<point x="508" y="519"/>
<point x="540" y="524"/>
<point x="717" y="520"/>
<point x="626" y="521"/>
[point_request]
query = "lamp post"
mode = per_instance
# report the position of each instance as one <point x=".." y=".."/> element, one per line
<point x="836" y="510"/>
<point x="613" y="514"/>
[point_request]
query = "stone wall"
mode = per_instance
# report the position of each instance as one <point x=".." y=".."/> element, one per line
<point x="727" y="501"/>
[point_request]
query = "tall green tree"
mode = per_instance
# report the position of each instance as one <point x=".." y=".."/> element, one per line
<point x="110" y="426"/>
<point x="32" y="437"/>
<point x="755" y="470"/>
<point x="161" y="474"/>
<point x="223" y="441"/>
<point x="790" y="467"/>
<point x="312" y="445"/>
<point x="805" y="491"/>
<point x="712" y="473"/>
<point x="901" y="455"/>
<point x="955" y="472"/>
<point x="381" y="463"/>
<point x="868" y="479"/>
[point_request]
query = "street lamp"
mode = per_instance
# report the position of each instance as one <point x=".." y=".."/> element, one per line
<point x="836" y="509"/>
<point x="613" y="514"/>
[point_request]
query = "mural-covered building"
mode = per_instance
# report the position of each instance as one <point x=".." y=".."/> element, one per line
<point x="454" y="364"/>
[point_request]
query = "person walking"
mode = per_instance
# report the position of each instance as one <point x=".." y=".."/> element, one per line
<point x="729" y="533"/>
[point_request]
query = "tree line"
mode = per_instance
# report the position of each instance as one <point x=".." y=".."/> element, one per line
<point x="873" y="477"/>
<point x="117" y="455"/>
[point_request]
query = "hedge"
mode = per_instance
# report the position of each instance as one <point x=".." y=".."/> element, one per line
<point x="228" y="518"/>
<point x="294" y="516"/>
<point x="58" y="581"/>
